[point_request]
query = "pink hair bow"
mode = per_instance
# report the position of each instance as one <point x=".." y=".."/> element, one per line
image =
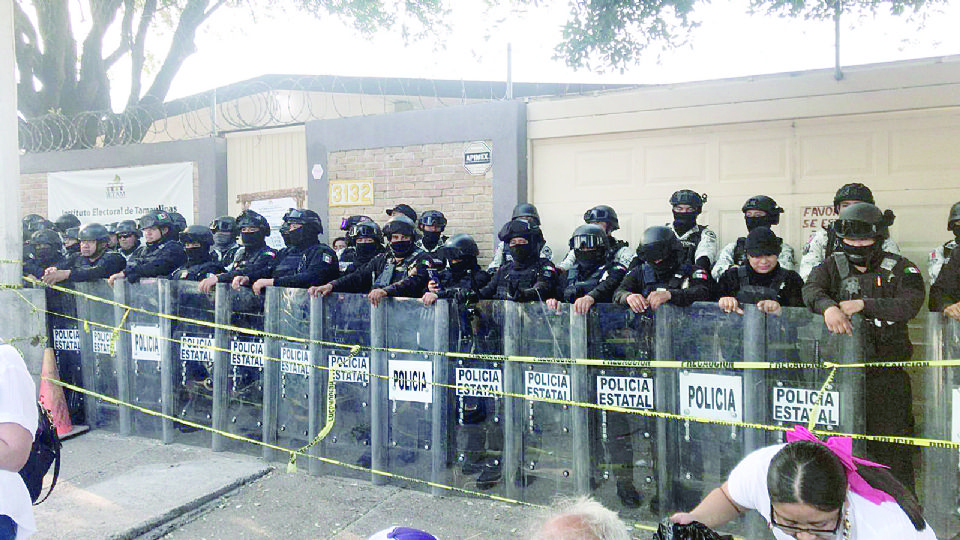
<point x="842" y="447"/>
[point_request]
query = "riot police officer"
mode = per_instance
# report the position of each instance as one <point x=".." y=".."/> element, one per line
<point x="401" y="271"/>
<point x="201" y="262"/>
<point x="825" y="241"/>
<point x="47" y="251"/>
<point x="940" y="256"/>
<point x="945" y="291"/>
<point x="365" y="242"/>
<point x="94" y="261"/>
<point x="606" y="218"/>
<point x="526" y="212"/>
<point x="595" y="274"/>
<point x="225" y="233"/>
<point x="758" y="211"/>
<point x="663" y="275"/>
<point x="162" y="254"/>
<point x="128" y="239"/>
<point x="255" y="258"/>
<point x="112" y="231"/>
<point x="403" y="209"/>
<point x="431" y="225"/>
<point x="761" y="280"/>
<point x="526" y="276"/>
<point x="888" y="291"/>
<point x="462" y="278"/>
<point x="71" y="241"/>
<point x="699" y="242"/>
<point x="305" y="261"/>
<point x="179" y="223"/>
<point x="66" y="221"/>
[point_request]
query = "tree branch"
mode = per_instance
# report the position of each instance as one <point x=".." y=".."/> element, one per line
<point x="126" y="35"/>
<point x="137" y="52"/>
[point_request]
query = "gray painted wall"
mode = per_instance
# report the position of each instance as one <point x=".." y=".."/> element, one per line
<point x="210" y="155"/>
<point x="502" y="122"/>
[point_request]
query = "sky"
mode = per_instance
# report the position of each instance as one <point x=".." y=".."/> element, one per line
<point x="730" y="43"/>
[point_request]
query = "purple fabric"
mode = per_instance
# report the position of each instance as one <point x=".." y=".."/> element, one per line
<point x="402" y="533"/>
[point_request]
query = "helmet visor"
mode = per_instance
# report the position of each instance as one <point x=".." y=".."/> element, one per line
<point x="856" y="229"/>
<point x="429" y="220"/>
<point x="586" y="241"/>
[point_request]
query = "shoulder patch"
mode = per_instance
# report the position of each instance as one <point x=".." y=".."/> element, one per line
<point x="270" y="253"/>
<point x="700" y="274"/>
<point x="911" y="269"/>
<point x="327" y="258"/>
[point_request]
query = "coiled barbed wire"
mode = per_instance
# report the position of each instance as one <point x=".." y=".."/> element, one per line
<point x="268" y="101"/>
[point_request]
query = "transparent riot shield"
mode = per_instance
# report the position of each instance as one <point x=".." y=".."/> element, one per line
<point x="545" y="467"/>
<point x="64" y="337"/>
<point x="622" y="446"/>
<point x="193" y="359"/>
<point x="146" y="341"/>
<point x="409" y="329"/>
<point x="475" y="404"/>
<point x="99" y="342"/>
<point x="244" y="399"/>
<point x="346" y="321"/>
<point x="292" y="427"/>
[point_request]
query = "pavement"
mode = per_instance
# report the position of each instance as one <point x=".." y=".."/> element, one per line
<point x="120" y="487"/>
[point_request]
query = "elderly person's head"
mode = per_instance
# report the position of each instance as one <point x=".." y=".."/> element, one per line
<point x="581" y="519"/>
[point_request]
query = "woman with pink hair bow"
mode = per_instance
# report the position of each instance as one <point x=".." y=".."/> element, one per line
<point x="808" y="489"/>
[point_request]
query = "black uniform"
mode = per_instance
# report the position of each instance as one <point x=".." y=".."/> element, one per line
<point x="131" y="254"/>
<point x="157" y="260"/>
<point x="256" y="261"/>
<point x="600" y="282"/>
<point x="945" y="291"/>
<point x="892" y="291"/>
<point x="35" y="266"/>
<point x="303" y="266"/>
<point x="226" y="254"/>
<point x="198" y="270"/>
<point x="108" y="263"/>
<point x="687" y="284"/>
<point x="462" y="286"/>
<point x="750" y="287"/>
<point x="405" y="278"/>
<point x="522" y="282"/>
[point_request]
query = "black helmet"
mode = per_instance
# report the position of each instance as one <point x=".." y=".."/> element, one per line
<point x="367" y="229"/>
<point x="156" y="218"/>
<point x="112" y="227"/>
<point x="459" y="246"/>
<point x="179" y="222"/>
<point x="954" y="216"/>
<point x="604" y="214"/>
<point x="860" y="221"/>
<point x="526" y="210"/>
<point x="588" y="236"/>
<point x="400" y="224"/>
<point x="32" y="223"/>
<point x="128" y="226"/>
<point x="690" y="197"/>
<point x="94" y="232"/>
<point x="765" y="204"/>
<point x="347" y="223"/>
<point x="46" y="236"/>
<point x="432" y="217"/>
<point x="403" y="209"/>
<point x="72" y="232"/>
<point x="249" y="218"/>
<point x="853" y="192"/>
<point x="225" y="224"/>
<point x="307" y="218"/>
<point x="521" y="228"/>
<point x="659" y="243"/>
<point x="197" y="233"/>
<point x="66" y="221"/>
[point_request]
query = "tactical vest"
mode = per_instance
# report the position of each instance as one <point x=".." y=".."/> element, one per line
<point x="393" y="272"/>
<point x="691" y="242"/>
<point x="740" y="251"/>
<point x="517" y="279"/>
<point x="651" y="282"/>
<point x="947" y="250"/>
<point x="751" y="294"/>
<point x="578" y="285"/>
<point x="834" y="243"/>
<point x="850" y="283"/>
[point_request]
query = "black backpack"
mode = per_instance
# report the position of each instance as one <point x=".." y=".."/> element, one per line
<point x="45" y="452"/>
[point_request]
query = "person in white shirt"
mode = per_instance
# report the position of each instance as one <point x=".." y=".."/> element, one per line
<point x="18" y="423"/>
<point x="811" y="490"/>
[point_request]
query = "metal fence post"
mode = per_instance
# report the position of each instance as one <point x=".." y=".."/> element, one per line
<point x="167" y="400"/>
<point x="271" y="371"/>
<point x="580" y="392"/>
<point x="512" y="385"/>
<point x="317" y="382"/>
<point x="379" y="388"/>
<point x="124" y="361"/>
<point x="440" y="425"/>
<point x="221" y="365"/>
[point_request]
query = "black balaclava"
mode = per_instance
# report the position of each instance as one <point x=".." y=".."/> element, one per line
<point x="223" y="239"/>
<point x="402" y="248"/>
<point x="522" y="253"/>
<point x="955" y="227"/>
<point x="252" y="240"/>
<point x="864" y="255"/>
<point x="431" y="239"/>
<point x="761" y="221"/>
<point x="589" y="258"/>
<point x="366" y="250"/>
<point x="684" y="221"/>
<point x="197" y="255"/>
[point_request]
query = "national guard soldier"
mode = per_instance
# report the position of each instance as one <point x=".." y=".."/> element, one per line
<point x="758" y="211"/>
<point x="94" y="261"/>
<point x="112" y="231"/>
<point x="526" y="212"/>
<point x="71" y="241"/>
<point x="66" y="221"/>
<point x="527" y="276"/>
<point x="225" y="233"/>
<point x="945" y="291"/>
<point x="162" y="255"/>
<point x="400" y="271"/>
<point x="305" y="261"/>
<point x="699" y="242"/>
<point x="431" y="225"/>
<point x="606" y="218"/>
<point x="888" y="290"/>
<point x="663" y="275"/>
<point x="940" y="256"/>
<point x="761" y="280"/>
<point x="825" y="241"/>
<point x="46" y="251"/>
<point x="201" y="261"/>
<point x="128" y="239"/>
<point x="255" y="258"/>
<point x="365" y="242"/>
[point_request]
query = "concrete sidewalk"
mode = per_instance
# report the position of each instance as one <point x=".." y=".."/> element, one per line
<point x="115" y="487"/>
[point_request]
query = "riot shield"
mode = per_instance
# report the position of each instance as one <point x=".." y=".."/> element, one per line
<point x="146" y="341"/>
<point x="193" y="359"/>
<point x="293" y="389"/>
<point x="64" y="337"/>
<point x="99" y="342"/>
<point x="244" y="401"/>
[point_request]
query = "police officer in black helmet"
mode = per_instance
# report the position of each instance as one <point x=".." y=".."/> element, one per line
<point x="94" y="261"/>
<point x="112" y="231"/>
<point x="431" y="225"/>
<point x="594" y="276"/>
<point x="400" y="271"/>
<point x="462" y="278"/>
<point x="254" y="258"/>
<point x="47" y="251"/>
<point x="163" y="253"/>
<point x="128" y="239"/>
<point x="225" y="233"/>
<point x="527" y="276"/>
<point x="888" y="291"/>
<point x="941" y="256"/>
<point x="305" y="261"/>
<point x="366" y="242"/>
<point x="66" y="221"/>
<point x="758" y="211"/>
<point x="71" y="241"/>
<point x="699" y="242"/>
<point x="201" y="261"/>
<point x="526" y="212"/>
<point x="179" y="223"/>
<point x="761" y="280"/>
<point x="606" y="218"/>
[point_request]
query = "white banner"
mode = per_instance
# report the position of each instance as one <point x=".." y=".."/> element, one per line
<point x="110" y="195"/>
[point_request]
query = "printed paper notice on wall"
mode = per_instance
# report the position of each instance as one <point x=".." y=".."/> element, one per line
<point x="351" y="193"/>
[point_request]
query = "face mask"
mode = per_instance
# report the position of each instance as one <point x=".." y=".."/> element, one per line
<point x="45" y="255"/>
<point x="402" y="248"/>
<point x="956" y="229"/>
<point x="685" y="221"/>
<point x="292" y="238"/>
<point x="665" y="266"/>
<point x="754" y="222"/>
<point x="222" y="239"/>
<point x="521" y="253"/>
<point x="589" y="258"/>
<point x="366" y="251"/>
<point x="460" y="268"/>
<point x="196" y="255"/>
<point x="861" y="255"/>
<point x="431" y="239"/>
<point x="74" y="248"/>
<point x="251" y="239"/>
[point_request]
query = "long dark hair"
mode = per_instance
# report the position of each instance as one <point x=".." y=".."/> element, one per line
<point x="809" y="473"/>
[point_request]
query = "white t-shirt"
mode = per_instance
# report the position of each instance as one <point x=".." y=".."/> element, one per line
<point x="748" y="488"/>
<point x="18" y="405"/>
